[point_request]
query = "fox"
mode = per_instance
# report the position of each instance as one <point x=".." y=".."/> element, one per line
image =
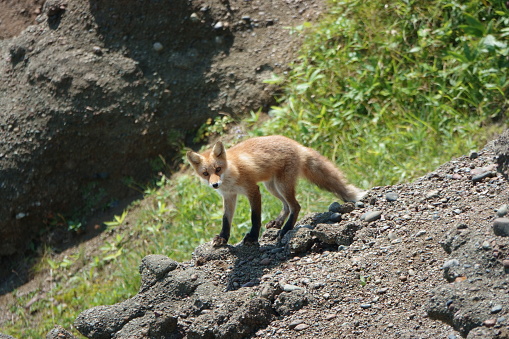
<point x="278" y="162"/>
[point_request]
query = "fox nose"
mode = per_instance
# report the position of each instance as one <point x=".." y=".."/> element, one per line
<point x="215" y="185"/>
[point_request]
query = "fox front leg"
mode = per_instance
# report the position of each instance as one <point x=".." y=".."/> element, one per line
<point x="229" y="201"/>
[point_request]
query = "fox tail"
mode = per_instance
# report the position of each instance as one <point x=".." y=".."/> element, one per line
<point x="323" y="173"/>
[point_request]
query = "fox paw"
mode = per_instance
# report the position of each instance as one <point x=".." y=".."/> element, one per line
<point x="274" y="224"/>
<point x="219" y="241"/>
<point x="250" y="241"/>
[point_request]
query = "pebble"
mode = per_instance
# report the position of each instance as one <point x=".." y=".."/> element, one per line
<point x="371" y="216"/>
<point x="290" y="288"/>
<point x="335" y="217"/>
<point x="97" y="50"/>
<point x="490" y="322"/>
<point x="330" y="316"/>
<point x="158" y="47"/>
<point x="403" y="278"/>
<point x="421" y="232"/>
<point x="392" y="236"/>
<point x="432" y="194"/>
<point x="295" y="323"/>
<point x="502" y="210"/>
<point x="501" y="227"/>
<point x="391" y="196"/>
<point x="265" y="261"/>
<point x="365" y="306"/>
<point x="496" y="308"/>
<point x="301" y="327"/>
<point x="480" y="177"/>
<point x="506" y="263"/>
<point x="450" y="263"/>
<point x="334" y="207"/>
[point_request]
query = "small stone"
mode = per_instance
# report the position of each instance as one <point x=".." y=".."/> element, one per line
<point x="502" y="210"/>
<point x="457" y="176"/>
<point x="450" y="263"/>
<point x="501" y="227"/>
<point x="496" y="309"/>
<point x="334" y="207"/>
<point x="482" y="176"/>
<point x="365" y="306"/>
<point x="248" y="284"/>
<point x="506" y="263"/>
<point x="490" y="322"/>
<point x="219" y="25"/>
<point x="359" y="204"/>
<point x="474" y="155"/>
<point x="403" y="278"/>
<point x="391" y="196"/>
<point x="371" y="216"/>
<point x="432" y="194"/>
<point x="97" y="50"/>
<point x="421" y="232"/>
<point x="295" y="323"/>
<point x="265" y="261"/>
<point x="301" y="327"/>
<point x="290" y="288"/>
<point x="158" y="47"/>
<point x="392" y="236"/>
<point x="330" y="316"/>
<point x="335" y="217"/>
<point x="194" y="17"/>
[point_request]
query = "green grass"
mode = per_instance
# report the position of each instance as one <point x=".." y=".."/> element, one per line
<point x="388" y="90"/>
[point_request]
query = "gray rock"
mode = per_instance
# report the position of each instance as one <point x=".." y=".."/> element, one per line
<point x="334" y="207"/>
<point x="391" y="196"/>
<point x="298" y="240"/>
<point x="336" y="234"/>
<point x="502" y="210"/>
<point x="154" y="267"/>
<point x="482" y="176"/>
<point x="102" y="322"/>
<point x="501" y="227"/>
<point x="289" y="302"/>
<point x="335" y="217"/>
<point x="371" y="216"/>
<point x="496" y="308"/>
<point x="58" y="332"/>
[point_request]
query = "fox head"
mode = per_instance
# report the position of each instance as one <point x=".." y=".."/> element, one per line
<point x="210" y="165"/>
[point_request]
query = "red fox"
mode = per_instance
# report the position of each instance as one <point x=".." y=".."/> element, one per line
<point x="276" y="161"/>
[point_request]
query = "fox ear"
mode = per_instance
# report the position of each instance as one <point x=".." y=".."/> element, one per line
<point x="218" y="149"/>
<point x="194" y="158"/>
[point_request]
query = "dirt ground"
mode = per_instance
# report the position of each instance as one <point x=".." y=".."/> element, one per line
<point x="16" y="15"/>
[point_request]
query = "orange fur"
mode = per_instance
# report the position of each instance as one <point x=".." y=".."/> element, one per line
<point x="276" y="161"/>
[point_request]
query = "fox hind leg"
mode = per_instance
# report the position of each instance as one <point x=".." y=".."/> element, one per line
<point x="286" y="189"/>
<point x="279" y="221"/>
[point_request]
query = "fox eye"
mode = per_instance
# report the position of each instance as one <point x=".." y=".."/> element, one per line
<point x="218" y="169"/>
<point x="205" y="174"/>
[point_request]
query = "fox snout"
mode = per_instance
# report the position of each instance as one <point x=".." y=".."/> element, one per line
<point x="215" y="181"/>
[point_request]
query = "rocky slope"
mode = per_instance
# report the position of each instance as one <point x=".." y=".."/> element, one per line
<point x="428" y="259"/>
